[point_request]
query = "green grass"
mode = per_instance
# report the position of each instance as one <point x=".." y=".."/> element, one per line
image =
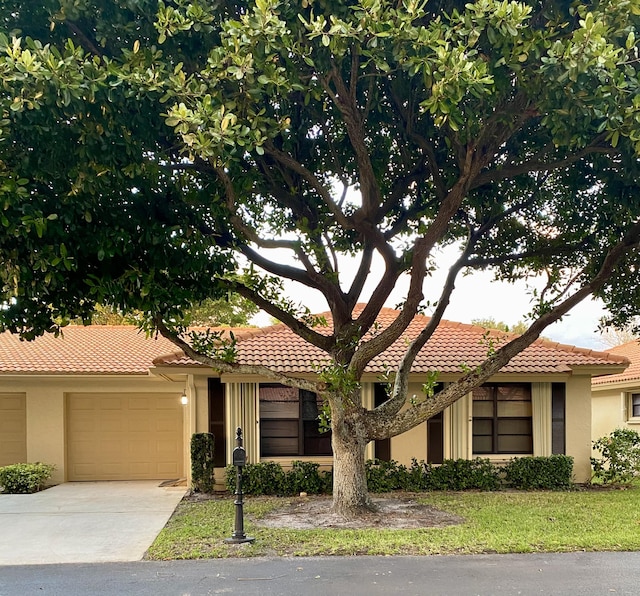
<point x="500" y="522"/>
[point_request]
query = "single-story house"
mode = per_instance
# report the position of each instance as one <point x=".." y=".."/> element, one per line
<point x="616" y="398"/>
<point x="109" y="403"/>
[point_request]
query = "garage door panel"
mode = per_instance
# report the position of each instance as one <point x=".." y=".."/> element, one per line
<point x="141" y="439"/>
<point x="13" y="428"/>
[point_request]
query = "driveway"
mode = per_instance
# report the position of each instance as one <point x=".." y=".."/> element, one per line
<point x="84" y="522"/>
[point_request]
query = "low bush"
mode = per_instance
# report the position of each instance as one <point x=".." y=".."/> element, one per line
<point x="305" y="477"/>
<point x="268" y="478"/>
<point x="619" y="460"/>
<point x="25" y="478"/>
<point x="264" y="478"/>
<point x="462" y="474"/>
<point x="385" y="476"/>
<point x="532" y="473"/>
<point x="202" y="454"/>
<point x="552" y="473"/>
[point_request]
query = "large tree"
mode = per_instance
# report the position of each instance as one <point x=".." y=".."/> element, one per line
<point x="152" y="155"/>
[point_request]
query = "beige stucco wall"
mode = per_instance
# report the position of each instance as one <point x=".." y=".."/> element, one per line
<point x="608" y="412"/>
<point x="413" y="443"/>
<point x="578" y="425"/>
<point x="578" y="430"/>
<point x="45" y="408"/>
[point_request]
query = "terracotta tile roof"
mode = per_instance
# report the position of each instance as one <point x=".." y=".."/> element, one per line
<point x="96" y="349"/>
<point x="452" y="345"/>
<point x="630" y="350"/>
<point x="103" y="349"/>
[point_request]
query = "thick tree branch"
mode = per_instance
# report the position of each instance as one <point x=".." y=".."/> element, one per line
<point x="409" y="418"/>
<point x="345" y="100"/>
<point x="399" y="393"/>
<point x="288" y="161"/>
<point x="230" y="367"/>
<point x="505" y="173"/>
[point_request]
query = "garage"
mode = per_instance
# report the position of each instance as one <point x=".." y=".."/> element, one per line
<point x="13" y="429"/>
<point x="124" y="436"/>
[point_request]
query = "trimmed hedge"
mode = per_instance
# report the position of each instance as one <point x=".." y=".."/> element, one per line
<point x="202" y="452"/>
<point x="550" y="473"/>
<point x="268" y="478"/>
<point x="25" y="478"/>
<point x="525" y="473"/>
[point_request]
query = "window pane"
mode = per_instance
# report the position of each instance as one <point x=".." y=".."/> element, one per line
<point x="514" y="426"/>
<point x="278" y="401"/>
<point x="315" y="442"/>
<point x="514" y="393"/>
<point x="310" y="405"/>
<point x="515" y="444"/>
<point x="514" y="408"/>
<point x="482" y="444"/>
<point x="505" y="411"/>
<point x="635" y="405"/>
<point x="482" y="427"/>
<point x="483" y="408"/>
<point x="482" y="393"/>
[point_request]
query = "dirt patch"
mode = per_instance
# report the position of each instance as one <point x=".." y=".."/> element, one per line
<point x="306" y="513"/>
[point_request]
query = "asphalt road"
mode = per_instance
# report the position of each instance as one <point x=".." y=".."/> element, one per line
<point x="585" y="574"/>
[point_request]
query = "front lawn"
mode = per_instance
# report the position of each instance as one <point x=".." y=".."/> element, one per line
<point x="495" y="522"/>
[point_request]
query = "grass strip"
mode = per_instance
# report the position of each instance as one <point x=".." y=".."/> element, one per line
<point x="500" y="522"/>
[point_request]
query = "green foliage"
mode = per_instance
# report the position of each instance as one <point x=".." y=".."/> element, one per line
<point x="549" y="473"/>
<point x="490" y="323"/>
<point x="385" y="476"/>
<point x="25" y="478"/>
<point x="268" y="478"/>
<point x="151" y="153"/>
<point x="619" y="457"/>
<point x="202" y="457"/>
<point x="264" y="478"/>
<point x="306" y="477"/>
<point x="462" y="474"/>
<point x="524" y="473"/>
<point x="231" y="311"/>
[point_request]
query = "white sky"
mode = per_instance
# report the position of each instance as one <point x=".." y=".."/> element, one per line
<point x="478" y="296"/>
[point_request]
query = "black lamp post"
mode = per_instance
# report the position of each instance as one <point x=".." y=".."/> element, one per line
<point x="239" y="461"/>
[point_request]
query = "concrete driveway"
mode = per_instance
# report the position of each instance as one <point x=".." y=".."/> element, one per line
<point x="84" y="522"/>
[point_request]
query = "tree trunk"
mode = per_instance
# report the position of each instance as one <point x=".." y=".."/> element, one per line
<point x="350" y="493"/>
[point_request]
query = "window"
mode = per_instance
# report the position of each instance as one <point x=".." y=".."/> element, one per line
<point x="635" y="405"/>
<point x="289" y="423"/>
<point x="502" y="419"/>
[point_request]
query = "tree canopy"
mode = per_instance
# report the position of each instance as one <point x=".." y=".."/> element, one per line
<point x="156" y="154"/>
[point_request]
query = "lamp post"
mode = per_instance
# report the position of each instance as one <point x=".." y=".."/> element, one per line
<point x="239" y="461"/>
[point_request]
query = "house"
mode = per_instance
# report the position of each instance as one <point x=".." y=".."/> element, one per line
<point x="108" y="403"/>
<point x="616" y="398"/>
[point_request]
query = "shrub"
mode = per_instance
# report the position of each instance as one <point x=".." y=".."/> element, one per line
<point x="551" y="473"/>
<point x="264" y="478"/>
<point x="462" y="474"/>
<point x="385" y="476"/>
<point x="306" y="477"/>
<point x="25" y="478"/>
<point x="619" y="461"/>
<point x="202" y="452"/>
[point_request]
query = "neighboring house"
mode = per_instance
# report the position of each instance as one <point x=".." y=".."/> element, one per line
<point x="616" y="398"/>
<point x="106" y="403"/>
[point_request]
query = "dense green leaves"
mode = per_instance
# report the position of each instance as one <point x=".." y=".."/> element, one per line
<point x="153" y="154"/>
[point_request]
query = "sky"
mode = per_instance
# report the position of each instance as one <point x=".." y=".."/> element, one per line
<point x="478" y="296"/>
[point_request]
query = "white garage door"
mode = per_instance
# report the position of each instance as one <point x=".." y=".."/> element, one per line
<point x="124" y="436"/>
<point x="13" y="429"/>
